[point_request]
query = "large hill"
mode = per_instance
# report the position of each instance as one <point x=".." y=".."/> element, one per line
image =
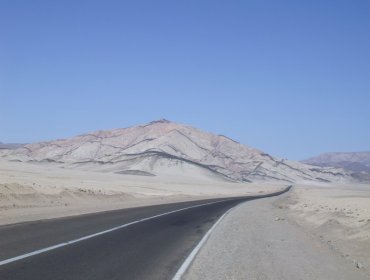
<point x="167" y="148"/>
<point x="357" y="163"/>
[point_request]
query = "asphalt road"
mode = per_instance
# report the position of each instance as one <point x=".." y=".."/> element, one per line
<point x="153" y="248"/>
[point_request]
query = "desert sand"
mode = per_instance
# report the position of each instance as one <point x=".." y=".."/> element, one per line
<point x="312" y="232"/>
<point x="257" y="240"/>
<point x="41" y="191"/>
<point x="310" y="225"/>
<point x="338" y="215"/>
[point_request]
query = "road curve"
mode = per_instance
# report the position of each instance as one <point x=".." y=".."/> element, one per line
<point x="137" y="243"/>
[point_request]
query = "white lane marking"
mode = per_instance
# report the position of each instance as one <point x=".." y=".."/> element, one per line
<point x="195" y="251"/>
<point x="33" y="253"/>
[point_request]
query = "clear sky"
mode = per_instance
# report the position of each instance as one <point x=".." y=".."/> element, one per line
<point x="289" y="77"/>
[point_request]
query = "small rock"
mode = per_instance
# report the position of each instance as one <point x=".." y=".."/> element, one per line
<point x="358" y="265"/>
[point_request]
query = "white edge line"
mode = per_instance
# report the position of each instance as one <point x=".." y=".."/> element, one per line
<point x="195" y="251"/>
<point x="33" y="253"/>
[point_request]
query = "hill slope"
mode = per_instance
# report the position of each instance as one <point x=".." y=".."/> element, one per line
<point x="167" y="148"/>
<point x="10" y="145"/>
<point x="357" y="163"/>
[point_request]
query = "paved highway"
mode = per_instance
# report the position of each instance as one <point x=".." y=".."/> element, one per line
<point x="138" y="243"/>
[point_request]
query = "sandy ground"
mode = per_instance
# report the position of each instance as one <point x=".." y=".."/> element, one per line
<point x="339" y="216"/>
<point x="41" y="191"/>
<point x="313" y="232"/>
<point x="257" y="240"/>
<point x="289" y="237"/>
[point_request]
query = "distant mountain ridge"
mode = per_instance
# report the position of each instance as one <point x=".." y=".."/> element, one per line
<point x="10" y="145"/>
<point x="167" y="148"/>
<point x="357" y="163"/>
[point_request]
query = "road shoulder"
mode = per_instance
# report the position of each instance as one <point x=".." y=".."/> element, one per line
<point x="257" y="241"/>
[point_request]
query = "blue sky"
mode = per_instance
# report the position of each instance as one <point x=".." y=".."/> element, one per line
<point x="289" y="77"/>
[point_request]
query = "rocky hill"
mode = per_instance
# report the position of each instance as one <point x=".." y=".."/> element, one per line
<point x="357" y="163"/>
<point x="167" y="148"/>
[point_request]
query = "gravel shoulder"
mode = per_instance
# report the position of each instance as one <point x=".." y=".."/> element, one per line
<point x="259" y="240"/>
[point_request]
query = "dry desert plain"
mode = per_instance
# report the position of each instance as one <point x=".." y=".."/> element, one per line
<point x="337" y="216"/>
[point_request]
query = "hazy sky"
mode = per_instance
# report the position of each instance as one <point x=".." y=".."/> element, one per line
<point x="289" y="77"/>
